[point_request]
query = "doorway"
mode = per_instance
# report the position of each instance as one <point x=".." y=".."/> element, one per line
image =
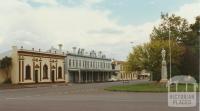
<point x="53" y="76"/>
<point x="36" y="76"/>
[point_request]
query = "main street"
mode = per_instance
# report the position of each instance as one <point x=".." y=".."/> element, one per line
<point x="83" y="97"/>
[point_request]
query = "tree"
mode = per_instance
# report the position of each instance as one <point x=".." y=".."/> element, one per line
<point x="190" y="61"/>
<point x="148" y="56"/>
<point x="178" y="27"/>
<point x="5" y="64"/>
<point x="136" y="58"/>
<point x="184" y="45"/>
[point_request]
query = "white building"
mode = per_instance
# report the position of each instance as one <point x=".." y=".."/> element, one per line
<point x="84" y="67"/>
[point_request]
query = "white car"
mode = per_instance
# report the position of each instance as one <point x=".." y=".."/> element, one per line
<point x="112" y="79"/>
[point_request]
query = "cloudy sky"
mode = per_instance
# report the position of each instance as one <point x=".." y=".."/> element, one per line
<point x="106" y="25"/>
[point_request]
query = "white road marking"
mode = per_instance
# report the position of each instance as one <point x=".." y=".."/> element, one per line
<point x="10" y="98"/>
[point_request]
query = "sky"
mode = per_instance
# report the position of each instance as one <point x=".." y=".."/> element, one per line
<point x="110" y="26"/>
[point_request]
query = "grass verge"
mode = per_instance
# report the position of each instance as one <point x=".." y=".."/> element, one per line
<point x="150" y="87"/>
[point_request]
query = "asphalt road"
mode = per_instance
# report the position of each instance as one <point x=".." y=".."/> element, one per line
<point x="83" y="97"/>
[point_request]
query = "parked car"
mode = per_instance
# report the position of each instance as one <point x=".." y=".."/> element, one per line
<point x="112" y="79"/>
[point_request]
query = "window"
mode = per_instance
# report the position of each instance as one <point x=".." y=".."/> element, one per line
<point x="45" y="72"/>
<point x="69" y="62"/>
<point x="109" y="65"/>
<point x="73" y="63"/>
<point x="79" y="63"/>
<point x="76" y="63"/>
<point x="87" y="64"/>
<point x="60" y="72"/>
<point x="90" y="64"/>
<point x="83" y="63"/>
<point x="28" y="72"/>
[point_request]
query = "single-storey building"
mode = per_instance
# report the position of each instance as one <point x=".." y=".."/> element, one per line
<point x="34" y="66"/>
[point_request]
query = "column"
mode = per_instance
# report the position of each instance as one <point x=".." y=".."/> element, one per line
<point x="79" y="76"/>
<point x="20" y="70"/>
<point x="92" y="77"/>
<point x="86" y="78"/>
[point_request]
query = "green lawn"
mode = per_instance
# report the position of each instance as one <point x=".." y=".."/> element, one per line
<point x="148" y="87"/>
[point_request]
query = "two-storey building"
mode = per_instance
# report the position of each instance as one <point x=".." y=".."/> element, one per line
<point x="82" y="67"/>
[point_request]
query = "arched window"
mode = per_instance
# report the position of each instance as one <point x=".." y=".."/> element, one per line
<point x="28" y="72"/>
<point x="60" y="72"/>
<point x="45" y="72"/>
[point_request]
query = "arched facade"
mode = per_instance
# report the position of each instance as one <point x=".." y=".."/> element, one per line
<point x="37" y="67"/>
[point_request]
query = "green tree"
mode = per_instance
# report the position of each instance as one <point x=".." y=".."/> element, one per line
<point x="184" y="45"/>
<point x="190" y="61"/>
<point x="177" y="26"/>
<point x="148" y="56"/>
<point x="5" y="64"/>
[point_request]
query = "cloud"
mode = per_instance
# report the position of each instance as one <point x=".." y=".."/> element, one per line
<point x="189" y="11"/>
<point x="106" y="31"/>
<point x="92" y="2"/>
<point x="72" y="26"/>
<point x="46" y="2"/>
<point x="42" y="27"/>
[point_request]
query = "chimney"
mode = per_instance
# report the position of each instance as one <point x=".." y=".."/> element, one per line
<point x="82" y="51"/>
<point x="60" y="47"/>
<point x="74" y="50"/>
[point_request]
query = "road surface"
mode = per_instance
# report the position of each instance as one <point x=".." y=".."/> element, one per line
<point x="83" y="97"/>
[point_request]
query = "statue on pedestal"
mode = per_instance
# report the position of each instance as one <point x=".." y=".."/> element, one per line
<point x="164" y="67"/>
<point x="163" y="52"/>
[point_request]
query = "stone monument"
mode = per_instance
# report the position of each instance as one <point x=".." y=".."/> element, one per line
<point x="164" y="67"/>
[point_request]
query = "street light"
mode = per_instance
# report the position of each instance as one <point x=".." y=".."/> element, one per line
<point x="199" y="59"/>
<point x="170" y="58"/>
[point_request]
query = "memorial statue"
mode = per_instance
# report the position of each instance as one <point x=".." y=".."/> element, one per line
<point x="163" y="52"/>
<point x="164" y="67"/>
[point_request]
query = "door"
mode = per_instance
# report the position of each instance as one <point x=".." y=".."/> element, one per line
<point x="36" y="76"/>
<point x="53" y="76"/>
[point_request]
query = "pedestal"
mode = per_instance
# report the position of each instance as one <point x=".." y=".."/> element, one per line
<point x="164" y="72"/>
